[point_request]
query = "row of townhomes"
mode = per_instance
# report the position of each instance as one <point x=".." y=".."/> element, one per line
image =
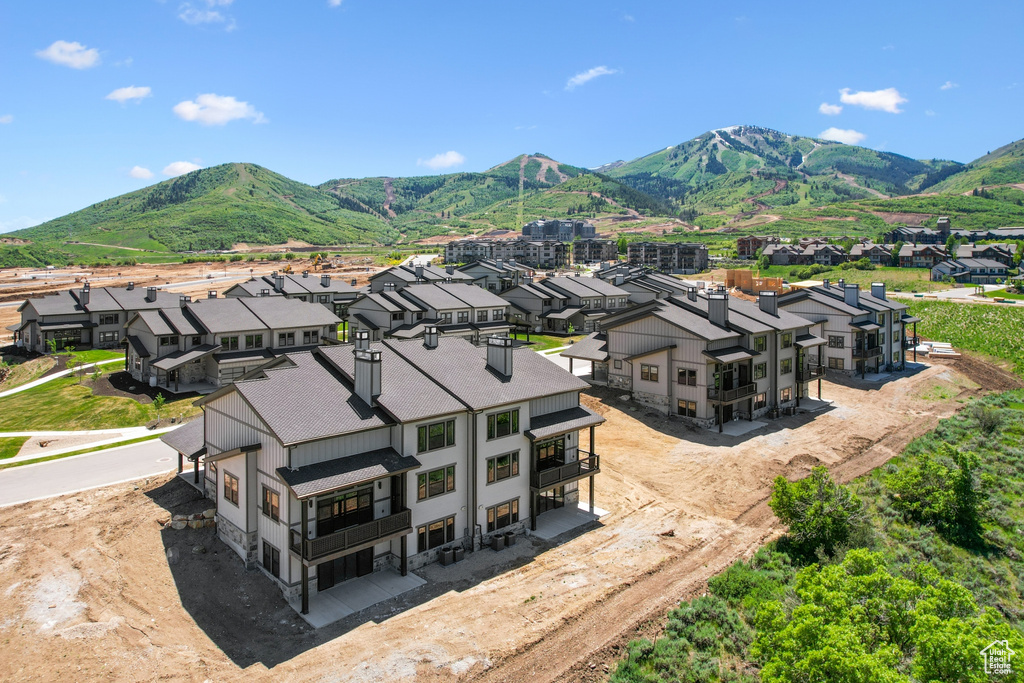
<point x="546" y="254"/>
<point x="944" y="229"/>
<point x="977" y="271"/>
<point x="334" y="293"/>
<point x="561" y="304"/>
<point x="908" y="256"/>
<point x="669" y="257"/>
<point x="346" y="460"/>
<point x="201" y="345"/>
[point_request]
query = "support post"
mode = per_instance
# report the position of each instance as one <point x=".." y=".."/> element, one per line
<point x="915" y="344"/>
<point x="195" y="469"/>
<point x="533" y="510"/>
<point x="405" y="555"/>
<point x="570" y="365"/>
<point x="592" y="493"/>
<point x="720" y="427"/>
<point x="181" y="464"/>
<point x="304" y="505"/>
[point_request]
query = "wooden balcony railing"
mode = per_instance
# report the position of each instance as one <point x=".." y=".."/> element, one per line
<point x="911" y="342"/>
<point x="727" y="395"/>
<point x="563" y="474"/>
<point x="352" y="537"/>
<point x="867" y="352"/>
<point x="809" y="373"/>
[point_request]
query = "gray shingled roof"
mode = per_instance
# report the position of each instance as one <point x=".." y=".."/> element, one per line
<point x="331" y="475"/>
<point x="584" y="286"/>
<point x="554" y="424"/>
<point x="226" y="315"/>
<point x="188" y="439"/>
<point x="277" y="313"/>
<point x="593" y="347"/>
<point x="179" y="358"/>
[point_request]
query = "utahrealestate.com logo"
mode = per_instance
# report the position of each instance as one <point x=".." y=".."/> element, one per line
<point x="997" y="657"/>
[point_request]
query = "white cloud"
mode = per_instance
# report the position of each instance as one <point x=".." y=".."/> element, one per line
<point x="191" y="15"/>
<point x="7" y="118"/>
<point x="949" y="85"/>
<point x="143" y="173"/>
<point x="122" y="95"/>
<point x="847" y="137"/>
<point x="526" y="127"/>
<point x="929" y="112"/>
<point x="127" y="61"/>
<point x="216" y="110"/>
<point x="628" y="17"/>
<point x="888" y="48"/>
<point x="180" y="168"/>
<point x="445" y="160"/>
<point x="830" y="109"/>
<point x="583" y="77"/>
<point x="888" y="100"/>
<point x="74" y="55"/>
<point x="334" y="3"/>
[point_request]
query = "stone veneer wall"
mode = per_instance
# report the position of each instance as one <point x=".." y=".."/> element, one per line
<point x="243" y="543"/>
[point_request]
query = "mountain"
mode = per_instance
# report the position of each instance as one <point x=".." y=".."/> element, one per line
<point x="214" y="208"/>
<point x="1005" y="166"/>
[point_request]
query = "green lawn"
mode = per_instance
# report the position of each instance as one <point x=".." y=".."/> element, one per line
<point x="25" y="371"/>
<point x="9" y="446"/>
<point x="544" y="342"/>
<point x="94" y="355"/>
<point x="901" y="279"/>
<point x="991" y="330"/>
<point x="1003" y="294"/>
<point x="64" y="404"/>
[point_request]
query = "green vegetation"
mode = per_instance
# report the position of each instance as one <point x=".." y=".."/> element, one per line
<point x="544" y="342"/>
<point x="895" y="279"/>
<point x="10" y="445"/>
<point x="927" y="580"/>
<point x="22" y="371"/>
<point x="991" y="330"/>
<point x="83" y="451"/>
<point x="1005" y="165"/>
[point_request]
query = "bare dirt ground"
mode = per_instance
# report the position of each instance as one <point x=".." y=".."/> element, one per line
<point x="93" y="587"/>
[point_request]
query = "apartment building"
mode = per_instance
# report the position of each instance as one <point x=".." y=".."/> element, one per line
<point x="400" y="277"/>
<point x="748" y="246"/>
<point x="878" y="254"/>
<point x="561" y="230"/>
<point x="594" y="251"/>
<point x="587" y="301"/>
<point x="706" y="357"/>
<point x="332" y="292"/>
<point x="548" y="254"/>
<point x="921" y="255"/>
<point x="498" y="275"/>
<point x="339" y="462"/>
<point x="825" y="254"/>
<point x="669" y="257"/>
<point x="865" y="331"/>
<point x="456" y="309"/>
<point x="200" y="345"/>
<point x="86" y="317"/>
<point x="1003" y="253"/>
<point x="785" y="255"/>
<point x="976" y="271"/>
<point x="530" y="302"/>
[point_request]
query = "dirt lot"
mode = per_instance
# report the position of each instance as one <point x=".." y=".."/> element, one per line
<point x="94" y="588"/>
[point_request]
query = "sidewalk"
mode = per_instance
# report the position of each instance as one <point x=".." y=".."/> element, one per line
<point x="62" y="373"/>
<point x="116" y="436"/>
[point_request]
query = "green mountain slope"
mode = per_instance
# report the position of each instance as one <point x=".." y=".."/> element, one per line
<point x="1001" y="167"/>
<point x="214" y="208"/>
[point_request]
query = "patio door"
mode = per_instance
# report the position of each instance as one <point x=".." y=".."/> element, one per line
<point x="551" y="499"/>
<point x="335" y="571"/>
<point x="338" y="512"/>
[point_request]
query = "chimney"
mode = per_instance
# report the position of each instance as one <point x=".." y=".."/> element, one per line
<point x="305" y="273"/>
<point x="878" y="290"/>
<point x="131" y="286"/>
<point x="768" y="302"/>
<point x="353" y="282"/>
<point x="430" y="336"/>
<point x="842" y="283"/>
<point x="362" y="340"/>
<point x="499" y="355"/>
<point x="851" y="294"/>
<point x="83" y="298"/>
<point x="211" y="294"/>
<point x="278" y="283"/>
<point x="825" y="283"/>
<point x="619" y="279"/>
<point x="419" y="272"/>
<point x="500" y="266"/>
<point x="691" y="293"/>
<point x="151" y="294"/>
<point x="718" y="309"/>
<point x="367" y="375"/>
<point x="449" y="269"/>
<point x="182" y="300"/>
<point x="512" y="263"/>
<point x="264" y="292"/>
<point x="325" y="280"/>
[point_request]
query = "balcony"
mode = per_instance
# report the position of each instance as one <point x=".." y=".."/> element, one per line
<point x="809" y="373"/>
<point x="350" y="539"/>
<point x="911" y="342"/>
<point x="564" y="474"/>
<point x="867" y="352"/>
<point x="734" y="394"/>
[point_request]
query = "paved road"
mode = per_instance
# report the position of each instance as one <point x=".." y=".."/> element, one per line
<point x="81" y="472"/>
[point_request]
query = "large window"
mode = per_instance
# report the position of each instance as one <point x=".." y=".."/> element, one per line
<point x="786" y="395"/>
<point x="435" y="534"/>
<point x="687" y="377"/>
<point x="254" y="341"/>
<point x="311" y="337"/>
<point x="550" y="454"/>
<point x="687" y="408"/>
<point x="836" y="341"/>
<point x="337" y="512"/>
<point x="502" y="467"/>
<point x="271" y="559"/>
<point x="435" y="482"/>
<point x="481" y="316"/>
<point x="649" y="372"/>
<point x="286" y="339"/>
<point x="760" y="370"/>
<point x="230" y="488"/>
<point x="502" y="424"/>
<point x="785" y="366"/>
<point x="835" y="363"/>
<point x="107" y="337"/>
<point x="463" y="317"/>
<point x="398" y="317"/>
<point x="169" y="341"/>
<point x="271" y="504"/>
<point x="502" y="515"/>
<point x="229" y="343"/>
<point x="446" y="318"/>
<point x="109" y="319"/>
<point x="760" y="343"/>
<point x="323" y="298"/>
<point x="433" y="436"/>
<point x="787" y="339"/>
<point x="760" y="401"/>
<point x="498" y="314"/>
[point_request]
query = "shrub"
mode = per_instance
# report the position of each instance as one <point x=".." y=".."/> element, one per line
<point x="821" y="514"/>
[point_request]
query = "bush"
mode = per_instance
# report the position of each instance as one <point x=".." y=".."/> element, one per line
<point x="821" y="514"/>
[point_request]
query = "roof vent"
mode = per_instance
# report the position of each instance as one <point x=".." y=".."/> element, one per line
<point x="619" y="279"/>
<point x="131" y="286"/>
<point x="499" y="355"/>
<point x="362" y="340"/>
<point x="419" y="272"/>
<point x="430" y="336"/>
<point x="367" y="375"/>
<point x="150" y="294"/>
<point x="305" y="273"/>
<point x="449" y="269"/>
<point x="825" y="283"/>
<point x="768" y="302"/>
<point x="718" y="309"/>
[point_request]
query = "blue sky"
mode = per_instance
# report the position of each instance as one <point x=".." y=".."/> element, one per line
<point x="102" y="98"/>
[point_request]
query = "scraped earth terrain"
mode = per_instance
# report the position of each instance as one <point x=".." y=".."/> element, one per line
<point x="93" y="587"/>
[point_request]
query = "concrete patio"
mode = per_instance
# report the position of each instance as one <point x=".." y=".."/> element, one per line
<point x="353" y="595"/>
<point x="556" y="522"/>
<point x="738" y="427"/>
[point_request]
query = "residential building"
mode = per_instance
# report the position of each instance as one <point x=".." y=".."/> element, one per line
<point x="748" y="246"/>
<point x="340" y="462"/>
<point x="825" y="254"/>
<point x="921" y="255"/>
<point x="670" y="257"/>
<point x="785" y="255"/>
<point x="977" y="271"/>
<point x="86" y="317"/>
<point x="706" y="357"/>
<point x="332" y="292"/>
<point x="943" y="271"/>
<point x="561" y="230"/>
<point x="644" y="284"/>
<point x="1003" y="253"/>
<point x="587" y="301"/>
<point x="864" y="331"/>
<point x="496" y="276"/>
<point x="529" y="304"/>
<point x="878" y="254"/>
<point x="199" y="345"/>
<point x="594" y="251"/>
<point x="549" y="254"/>
<point x="399" y="277"/>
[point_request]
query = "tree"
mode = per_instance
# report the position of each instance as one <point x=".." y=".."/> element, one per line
<point x="623" y="245"/>
<point x="821" y="514"/>
<point x="895" y="258"/>
<point x="158" y="404"/>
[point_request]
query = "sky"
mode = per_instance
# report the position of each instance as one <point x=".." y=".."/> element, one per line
<point x="102" y="98"/>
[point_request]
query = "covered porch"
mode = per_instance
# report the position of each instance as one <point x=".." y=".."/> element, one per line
<point x="189" y="440"/>
<point x="593" y="349"/>
<point x="805" y="371"/>
<point x="731" y="384"/>
<point x="174" y="368"/>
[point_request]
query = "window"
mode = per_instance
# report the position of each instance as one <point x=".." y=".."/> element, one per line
<point x="435" y="482"/>
<point x="622" y="302"/>
<point x="617" y="364"/>
<point x="785" y="366"/>
<point x="786" y="395"/>
<point x="498" y="314"/>
<point x="230" y="488"/>
<point x="271" y="559"/>
<point x="835" y="363"/>
<point x="254" y="341"/>
<point x="760" y="401"/>
<point x="229" y="343"/>
<point x="503" y="424"/>
<point x="835" y="341"/>
<point x="550" y="454"/>
<point x="546" y="302"/>
<point x="881" y="338"/>
<point x="787" y="339"/>
<point x="760" y="370"/>
<point x="463" y="316"/>
<point x="433" y="436"/>
<point x="197" y="341"/>
<point x="169" y="341"/>
<point x="397" y="317"/>
<point x="301" y="298"/>
<point x="502" y="515"/>
<point x="110" y="319"/>
<point x="271" y="504"/>
<point x="435" y="534"/>
<point x="760" y="343"/>
<point x="324" y="298"/>
<point x="502" y="467"/>
<point x="481" y="316"/>
<point x="649" y="372"/>
<point x="311" y="337"/>
<point x="881" y="318"/>
<point x="106" y="337"/>
<point x="687" y="409"/>
<point x="687" y="377"/>
<point x="446" y="318"/>
<point x="286" y="339"/>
